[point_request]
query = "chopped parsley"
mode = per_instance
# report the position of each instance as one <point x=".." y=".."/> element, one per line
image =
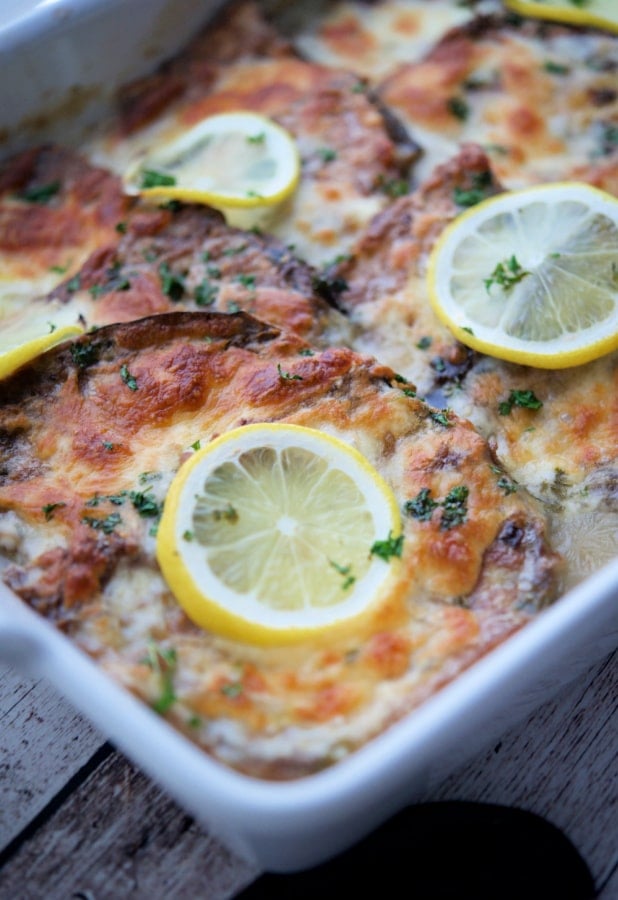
<point x="127" y="378"/>
<point x="108" y="445"/>
<point x="424" y="342"/>
<point x="481" y="182"/>
<point x="327" y="154"/>
<point x="458" y="107"/>
<point x="233" y="251"/>
<point x="455" y="508"/>
<point x="50" y="508"/>
<point x="164" y="662"/>
<point x="555" y="68"/>
<point x="287" y="376"/>
<point x="41" y="193"/>
<point x="422" y="506"/>
<point x="232" y="689"/>
<point x="106" y="525"/>
<point x="232" y="306"/>
<point x="206" y="293"/>
<point x="172" y="283"/>
<point x="84" y="354"/>
<point x="523" y="399"/>
<point x="508" y="486"/>
<point x="394" y="187"/>
<point x="73" y="284"/>
<point x="152" y="178"/>
<point x="506" y="274"/>
<point x="256" y="138"/>
<point x="392" y="546"/>
<point x="440" y="418"/>
<point x="146" y="504"/>
<point x="196" y="444"/>
<point x="187" y="535"/>
<point x="346" y="572"/>
<point x="306" y="351"/>
<point x="121" y="227"/>
<point x="247" y="281"/>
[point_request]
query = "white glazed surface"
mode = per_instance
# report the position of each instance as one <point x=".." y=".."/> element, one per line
<point x="55" y="49"/>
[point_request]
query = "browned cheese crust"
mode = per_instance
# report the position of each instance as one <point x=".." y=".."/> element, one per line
<point x="55" y="208"/>
<point x="350" y="154"/>
<point x="188" y="257"/>
<point x="77" y="441"/>
<point x="566" y="452"/>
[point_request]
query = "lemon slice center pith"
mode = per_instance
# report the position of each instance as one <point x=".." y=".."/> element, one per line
<point x="272" y="529"/>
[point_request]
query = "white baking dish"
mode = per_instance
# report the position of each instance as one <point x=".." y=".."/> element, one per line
<point x="63" y="49"/>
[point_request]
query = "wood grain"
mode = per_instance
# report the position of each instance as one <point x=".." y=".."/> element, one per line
<point x="116" y="834"/>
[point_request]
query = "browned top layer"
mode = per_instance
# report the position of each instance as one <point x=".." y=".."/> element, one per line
<point x="82" y="423"/>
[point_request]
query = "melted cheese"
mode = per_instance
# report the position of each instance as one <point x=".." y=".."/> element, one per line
<point x="82" y="436"/>
<point x="74" y="434"/>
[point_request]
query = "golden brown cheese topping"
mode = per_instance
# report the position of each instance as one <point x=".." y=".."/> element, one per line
<point x="92" y="433"/>
<point x="541" y="99"/>
<point x="565" y="452"/>
<point x="55" y="209"/>
<point x="348" y="156"/>
<point x="187" y="257"/>
<point x="79" y="445"/>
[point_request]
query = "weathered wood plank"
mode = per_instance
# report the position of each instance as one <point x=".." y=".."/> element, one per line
<point x="117" y="834"/>
<point x="43" y="742"/>
<point x="562" y="763"/>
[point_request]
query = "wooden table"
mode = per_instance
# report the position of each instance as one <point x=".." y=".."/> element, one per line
<point x="77" y="820"/>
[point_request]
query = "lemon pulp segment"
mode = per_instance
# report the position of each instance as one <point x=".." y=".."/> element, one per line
<point x="267" y="533"/>
<point x="531" y="276"/>
<point x="599" y="13"/>
<point x="237" y="159"/>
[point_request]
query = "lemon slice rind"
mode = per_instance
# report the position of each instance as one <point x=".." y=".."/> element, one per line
<point x="208" y="599"/>
<point x="599" y="14"/>
<point x="16" y="357"/>
<point x="231" y="160"/>
<point x="473" y="314"/>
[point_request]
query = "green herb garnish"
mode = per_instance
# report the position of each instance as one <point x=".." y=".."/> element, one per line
<point x="523" y="399"/>
<point x="151" y="178"/>
<point x="455" y="508"/>
<point x="422" y="506"/>
<point x="106" y="525"/>
<point x="42" y="193"/>
<point x="506" y="274"/>
<point x="164" y="662"/>
<point x="458" y="107"/>
<point x="49" y="509"/>
<point x="392" y="546"/>
<point x="287" y="376"/>
<point x="127" y="378"/>
<point x="172" y="283"/>
<point x="206" y="293"/>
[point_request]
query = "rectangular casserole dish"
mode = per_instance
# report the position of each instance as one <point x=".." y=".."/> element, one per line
<point x="59" y="77"/>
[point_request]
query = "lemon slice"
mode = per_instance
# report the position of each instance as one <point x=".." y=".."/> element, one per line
<point x="531" y="276"/>
<point x="16" y="352"/>
<point x="598" y="13"/>
<point x="275" y="533"/>
<point x="236" y="159"/>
